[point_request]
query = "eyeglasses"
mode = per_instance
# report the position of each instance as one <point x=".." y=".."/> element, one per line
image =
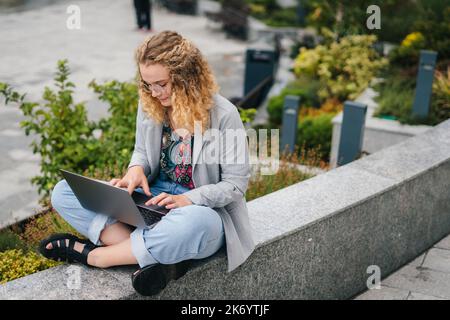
<point x="157" y="88"/>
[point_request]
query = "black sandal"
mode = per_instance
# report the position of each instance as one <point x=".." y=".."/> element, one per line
<point x="61" y="252"/>
<point x="150" y="280"/>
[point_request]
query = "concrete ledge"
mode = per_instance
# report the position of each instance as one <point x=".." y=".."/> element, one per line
<point x="315" y="238"/>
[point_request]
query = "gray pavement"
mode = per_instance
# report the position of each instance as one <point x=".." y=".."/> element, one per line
<point x="32" y="41"/>
<point x="425" y="278"/>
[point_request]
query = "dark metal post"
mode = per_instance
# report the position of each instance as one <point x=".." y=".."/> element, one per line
<point x="300" y="13"/>
<point x="259" y="64"/>
<point x="289" y="126"/>
<point x="424" y="83"/>
<point x="352" y="132"/>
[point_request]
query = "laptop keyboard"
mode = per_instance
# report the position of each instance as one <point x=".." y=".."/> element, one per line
<point x="150" y="217"/>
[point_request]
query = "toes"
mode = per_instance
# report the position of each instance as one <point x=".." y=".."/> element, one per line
<point x="49" y="246"/>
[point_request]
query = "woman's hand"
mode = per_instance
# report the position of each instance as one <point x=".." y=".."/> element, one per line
<point x="170" y="201"/>
<point x="135" y="177"/>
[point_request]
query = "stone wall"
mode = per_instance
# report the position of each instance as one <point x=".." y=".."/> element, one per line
<point x="316" y="238"/>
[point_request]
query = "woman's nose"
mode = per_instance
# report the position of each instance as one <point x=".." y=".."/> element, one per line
<point x="155" y="93"/>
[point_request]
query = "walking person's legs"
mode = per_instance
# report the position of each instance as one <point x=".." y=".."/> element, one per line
<point x="138" y="11"/>
<point x="148" y="14"/>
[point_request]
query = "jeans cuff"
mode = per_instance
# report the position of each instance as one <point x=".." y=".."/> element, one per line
<point x="96" y="227"/>
<point x="140" y="251"/>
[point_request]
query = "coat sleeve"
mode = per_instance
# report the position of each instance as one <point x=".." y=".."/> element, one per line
<point x="139" y="156"/>
<point x="234" y="166"/>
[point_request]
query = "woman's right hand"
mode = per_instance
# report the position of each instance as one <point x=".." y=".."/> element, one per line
<point x="135" y="177"/>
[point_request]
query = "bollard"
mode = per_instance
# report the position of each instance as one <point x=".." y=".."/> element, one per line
<point x="260" y="63"/>
<point x="352" y="132"/>
<point x="424" y="83"/>
<point x="300" y="13"/>
<point x="289" y="125"/>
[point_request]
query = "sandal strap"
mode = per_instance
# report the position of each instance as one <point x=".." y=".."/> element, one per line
<point x="88" y="247"/>
<point x="63" y="249"/>
<point x="70" y="250"/>
<point x="55" y="252"/>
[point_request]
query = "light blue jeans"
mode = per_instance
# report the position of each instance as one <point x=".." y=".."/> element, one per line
<point x="190" y="232"/>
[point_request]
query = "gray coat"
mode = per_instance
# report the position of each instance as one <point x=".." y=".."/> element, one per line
<point x="218" y="185"/>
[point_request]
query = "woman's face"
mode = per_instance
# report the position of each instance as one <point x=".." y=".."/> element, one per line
<point x="156" y="81"/>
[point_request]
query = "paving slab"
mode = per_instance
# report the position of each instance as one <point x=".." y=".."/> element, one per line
<point x="438" y="259"/>
<point x="384" y="293"/>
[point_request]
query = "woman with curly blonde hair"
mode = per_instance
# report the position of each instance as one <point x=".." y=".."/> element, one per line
<point x="181" y="119"/>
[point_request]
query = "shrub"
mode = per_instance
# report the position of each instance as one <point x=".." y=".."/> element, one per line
<point x="440" y="104"/>
<point x="118" y="129"/>
<point x="315" y="133"/>
<point x="66" y="139"/>
<point x="407" y="54"/>
<point x="344" y="68"/>
<point x="303" y="87"/>
<point x="331" y="105"/>
<point x="17" y="263"/>
<point x="433" y="22"/>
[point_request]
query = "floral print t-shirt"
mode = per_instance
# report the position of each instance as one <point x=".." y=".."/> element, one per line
<point x="175" y="161"/>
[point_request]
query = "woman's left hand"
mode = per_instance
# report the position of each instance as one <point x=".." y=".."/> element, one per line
<point x="169" y="201"/>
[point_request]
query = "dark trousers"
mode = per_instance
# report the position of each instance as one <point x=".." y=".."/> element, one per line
<point x="143" y="13"/>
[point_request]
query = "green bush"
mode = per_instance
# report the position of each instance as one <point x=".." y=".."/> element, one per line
<point x="17" y="263"/>
<point x="398" y="17"/>
<point x="118" y="130"/>
<point x="434" y="23"/>
<point x="315" y="133"/>
<point x="407" y="54"/>
<point x="344" y="68"/>
<point x="67" y="139"/>
<point x="303" y="87"/>
<point x="440" y="104"/>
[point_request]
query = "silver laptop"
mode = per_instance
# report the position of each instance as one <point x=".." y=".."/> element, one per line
<point x="99" y="196"/>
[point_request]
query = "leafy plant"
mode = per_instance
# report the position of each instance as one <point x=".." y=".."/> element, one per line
<point x="440" y="106"/>
<point x="17" y="263"/>
<point x="304" y="87"/>
<point x="65" y="134"/>
<point x="344" y="68"/>
<point x="396" y="97"/>
<point x="315" y="133"/>
<point x="118" y="130"/>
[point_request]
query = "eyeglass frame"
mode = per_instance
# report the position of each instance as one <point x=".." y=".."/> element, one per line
<point x="154" y="87"/>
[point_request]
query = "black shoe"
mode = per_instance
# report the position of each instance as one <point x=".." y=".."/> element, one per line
<point x="150" y="280"/>
<point x="61" y="252"/>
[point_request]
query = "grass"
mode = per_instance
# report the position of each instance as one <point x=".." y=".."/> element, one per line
<point x="287" y="174"/>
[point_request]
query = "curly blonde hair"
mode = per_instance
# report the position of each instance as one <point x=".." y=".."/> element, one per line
<point x="193" y="84"/>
